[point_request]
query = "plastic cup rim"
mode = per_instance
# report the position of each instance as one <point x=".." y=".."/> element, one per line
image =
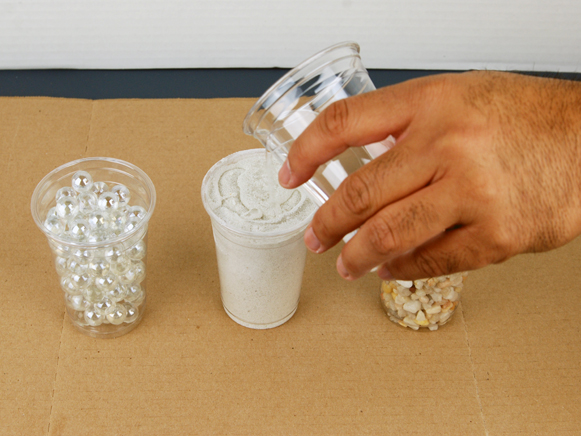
<point x="261" y="235"/>
<point x="248" y="128"/>
<point x="89" y="245"/>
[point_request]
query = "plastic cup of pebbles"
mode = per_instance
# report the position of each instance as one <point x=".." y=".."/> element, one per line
<point x="95" y="213"/>
<point x="258" y="231"/>
<point x="422" y="304"/>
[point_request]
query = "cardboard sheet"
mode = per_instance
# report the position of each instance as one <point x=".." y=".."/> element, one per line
<point x="508" y="363"/>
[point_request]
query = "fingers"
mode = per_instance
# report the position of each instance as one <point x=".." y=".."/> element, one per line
<point x="450" y="252"/>
<point x="385" y="180"/>
<point x="399" y="228"/>
<point x="352" y="122"/>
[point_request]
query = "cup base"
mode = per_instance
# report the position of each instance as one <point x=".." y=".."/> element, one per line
<point x="108" y="331"/>
<point x="259" y="326"/>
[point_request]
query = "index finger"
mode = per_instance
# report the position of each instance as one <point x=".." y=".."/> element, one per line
<point x="351" y="122"/>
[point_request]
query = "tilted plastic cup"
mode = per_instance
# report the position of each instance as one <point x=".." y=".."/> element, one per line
<point x="294" y="101"/>
<point x="97" y="232"/>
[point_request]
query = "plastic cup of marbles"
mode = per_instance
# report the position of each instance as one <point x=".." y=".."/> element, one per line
<point x="258" y="230"/>
<point x="422" y="304"/>
<point x="95" y="213"/>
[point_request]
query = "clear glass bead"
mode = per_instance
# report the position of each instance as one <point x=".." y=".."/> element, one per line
<point x="136" y="212"/>
<point x="132" y="312"/>
<point x="129" y="277"/>
<point x="67" y="191"/>
<point x="98" y="220"/>
<point x="52" y="212"/>
<point x="135" y="294"/>
<point x="117" y="314"/>
<point x="98" y="267"/>
<point x="76" y="302"/>
<point x="87" y="201"/>
<point x="138" y="251"/>
<point x="93" y="318"/>
<point x="99" y="188"/>
<point x="77" y="265"/>
<point x="106" y="282"/>
<point x="112" y="254"/>
<point x="118" y="293"/>
<point x="104" y="306"/>
<point x="121" y="266"/>
<point x="67" y="207"/>
<point x="69" y="286"/>
<point x="123" y="194"/>
<point x="82" y="253"/>
<point x="93" y="294"/>
<point x="82" y="181"/>
<point x="108" y="201"/>
<point x="139" y="268"/>
<point x="60" y="264"/>
<point x="117" y="220"/>
<point x="79" y="229"/>
<point x="131" y="224"/>
<point x="99" y="236"/>
<point x="55" y="225"/>
<point x="82" y="281"/>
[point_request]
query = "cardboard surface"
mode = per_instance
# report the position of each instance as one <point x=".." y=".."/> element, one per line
<point x="508" y="363"/>
<point x="531" y="35"/>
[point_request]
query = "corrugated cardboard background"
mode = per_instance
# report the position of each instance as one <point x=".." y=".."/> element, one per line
<point x="508" y="363"/>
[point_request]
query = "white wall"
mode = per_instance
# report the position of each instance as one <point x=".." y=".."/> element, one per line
<point x="540" y="35"/>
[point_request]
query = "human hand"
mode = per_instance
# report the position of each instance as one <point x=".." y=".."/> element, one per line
<point x="486" y="165"/>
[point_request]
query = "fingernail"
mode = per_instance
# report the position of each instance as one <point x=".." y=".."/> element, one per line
<point x="284" y="174"/>
<point x="341" y="269"/>
<point x="311" y="241"/>
<point x="384" y="273"/>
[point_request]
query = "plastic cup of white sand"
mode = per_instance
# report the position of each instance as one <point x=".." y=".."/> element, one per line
<point x="260" y="249"/>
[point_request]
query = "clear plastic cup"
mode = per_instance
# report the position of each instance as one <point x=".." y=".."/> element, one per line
<point x="294" y="101"/>
<point x="260" y="269"/>
<point x="98" y="242"/>
<point x="422" y="304"/>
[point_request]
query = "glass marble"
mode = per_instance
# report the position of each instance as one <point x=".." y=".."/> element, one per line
<point x="98" y="267"/>
<point x="129" y="277"/>
<point x="87" y="201"/>
<point x="131" y="224"/>
<point x="82" y="281"/>
<point x="77" y="265"/>
<point x="93" y="294"/>
<point x="99" y="188"/>
<point x="67" y="191"/>
<point x="135" y="294"/>
<point x="106" y="282"/>
<point x="132" y="312"/>
<point x="121" y="266"/>
<point x="98" y="220"/>
<point x="117" y="220"/>
<point x="67" y="207"/>
<point x="82" y="181"/>
<point x="123" y="194"/>
<point x="138" y="251"/>
<point x="55" y="225"/>
<point x="52" y="212"/>
<point x="93" y="318"/>
<point x="69" y="286"/>
<point x="136" y="212"/>
<point x="112" y="254"/>
<point x="139" y="268"/>
<point x="118" y="293"/>
<point x="76" y="302"/>
<point x="60" y="264"/>
<point x="79" y="229"/>
<point x="104" y="306"/>
<point x="117" y="315"/>
<point x="82" y="253"/>
<point x="108" y="201"/>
